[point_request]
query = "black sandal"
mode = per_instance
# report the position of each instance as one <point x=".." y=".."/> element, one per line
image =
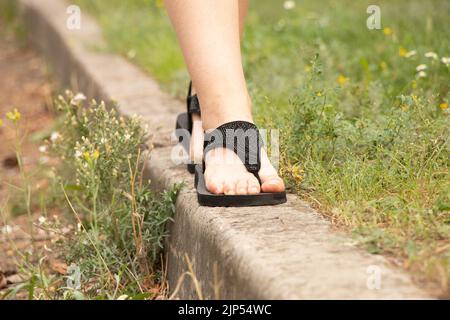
<point x="242" y="138"/>
<point x="184" y="124"/>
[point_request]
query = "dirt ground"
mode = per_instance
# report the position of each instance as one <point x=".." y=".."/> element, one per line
<point x="25" y="85"/>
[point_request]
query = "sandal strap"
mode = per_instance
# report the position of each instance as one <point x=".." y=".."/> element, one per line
<point x="243" y="138"/>
<point x="193" y="105"/>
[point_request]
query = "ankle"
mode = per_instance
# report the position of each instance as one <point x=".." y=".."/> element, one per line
<point x="223" y="110"/>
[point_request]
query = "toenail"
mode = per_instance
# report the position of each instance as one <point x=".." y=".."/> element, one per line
<point x="273" y="181"/>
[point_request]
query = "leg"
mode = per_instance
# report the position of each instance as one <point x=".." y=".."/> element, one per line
<point x="208" y="32"/>
<point x="196" y="147"/>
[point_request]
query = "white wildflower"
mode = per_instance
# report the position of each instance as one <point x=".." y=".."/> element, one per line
<point x="127" y="137"/>
<point x="421" y="67"/>
<point x="446" y="60"/>
<point x="289" y="5"/>
<point x="410" y="54"/>
<point x="42" y="220"/>
<point x="43" y="149"/>
<point x="7" y="229"/>
<point x="422" y="74"/>
<point x="79" y="97"/>
<point x="54" y="136"/>
<point x="78" y="154"/>
<point x="431" y="55"/>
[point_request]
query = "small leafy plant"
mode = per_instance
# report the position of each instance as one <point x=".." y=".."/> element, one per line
<point x="115" y="251"/>
<point x="122" y="221"/>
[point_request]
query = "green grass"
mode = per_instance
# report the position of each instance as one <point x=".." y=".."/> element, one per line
<point x="8" y="20"/>
<point x="363" y="137"/>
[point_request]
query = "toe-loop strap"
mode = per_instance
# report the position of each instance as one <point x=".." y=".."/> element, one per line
<point x="243" y="138"/>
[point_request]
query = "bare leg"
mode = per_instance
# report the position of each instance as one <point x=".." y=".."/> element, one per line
<point x="196" y="146"/>
<point x="209" y="33"/>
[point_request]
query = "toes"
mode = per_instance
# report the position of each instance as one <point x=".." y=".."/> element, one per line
<point x="215" y="186"/>
<point x="253" y="185"/>
<point x="230" y="188"/>
<point x="233" y="179"/>
<point x="241" y="186"/>
<point x="272" y="183"/>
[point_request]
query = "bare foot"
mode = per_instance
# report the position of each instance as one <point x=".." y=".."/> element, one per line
<point x="226" y="174"/>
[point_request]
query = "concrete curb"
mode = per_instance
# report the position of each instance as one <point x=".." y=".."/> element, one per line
<point x="283" y="252"/>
